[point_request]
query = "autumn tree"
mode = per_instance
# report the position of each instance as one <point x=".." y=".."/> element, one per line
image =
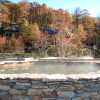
<point x="24" y="9"/>
<point x="30" y="33"/>
<point x="14" y="12"/>
<point x="3" y="14"/>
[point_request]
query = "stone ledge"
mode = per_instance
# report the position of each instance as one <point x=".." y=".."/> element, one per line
<point x="69" y="89"/>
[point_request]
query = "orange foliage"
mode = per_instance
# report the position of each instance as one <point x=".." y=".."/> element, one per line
<point x="2" y="40"/>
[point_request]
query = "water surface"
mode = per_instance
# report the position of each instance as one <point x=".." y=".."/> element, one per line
<point x="51" y="68"/>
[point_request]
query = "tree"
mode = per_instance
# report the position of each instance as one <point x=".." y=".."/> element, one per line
<point x="14" y="12"/>
<point x="88" y="22"/>
<point x="24" y="9"/>
<point x="30" y="34"/>
<point x="97" y="39"/>
<point x="89" y="25"/>
<point x="3" y="14"/>
<point x="78" y="14"/>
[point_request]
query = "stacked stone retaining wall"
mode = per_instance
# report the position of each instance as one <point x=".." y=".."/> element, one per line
<point x="30" y="89"/>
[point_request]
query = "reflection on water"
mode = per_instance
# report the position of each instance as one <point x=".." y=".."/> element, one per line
<point x="51" y="68"/>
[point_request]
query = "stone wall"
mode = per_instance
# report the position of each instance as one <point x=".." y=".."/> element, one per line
<point x="29" y="89"/>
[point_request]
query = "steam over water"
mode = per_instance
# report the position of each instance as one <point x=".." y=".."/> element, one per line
<point x="64" y="68"/>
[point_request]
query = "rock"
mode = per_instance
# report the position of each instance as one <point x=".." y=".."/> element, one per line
<point x="39" y="86"/>
<point x="52" y="94"/>
<point x="22" y="86"/>
<point x="3" y="93"/>
<point x="34" y="92"/>
<point x="79" y="86"/>
<point x="6" y="97"/>
<point x="3" y="82"/>
<point x="48" y="89"/>
<point x="63" y="98"/>
<point x="36" y="82"/>
<point x="86" y="99"/>
<point x="48" y="98"/>
<point x="66" y="94"/>
<point x="95" y="97"/>
<point x="66" y="88"/>
<point x="25" y="84"/>
<point x="86" y="94"/>
<point x="12" y="83"/>
<point x="24" y="80"/>
<point x="17" y="92"/>
<point x="77" y="98"/>
<point x="37" y="98"/>
<point x="19" y="89"/>
<point x="21" y="98"/>
<point x="4" y="87"/>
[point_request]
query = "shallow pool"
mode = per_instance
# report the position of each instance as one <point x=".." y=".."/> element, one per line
<point x="50" y="68"/>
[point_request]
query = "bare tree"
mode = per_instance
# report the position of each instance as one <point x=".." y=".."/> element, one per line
<point x="78" y="14"/>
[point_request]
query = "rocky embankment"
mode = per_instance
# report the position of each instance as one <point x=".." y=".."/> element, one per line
<point x="44" y="89"/>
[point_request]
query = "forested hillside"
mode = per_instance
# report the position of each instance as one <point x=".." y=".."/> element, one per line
<point x="35" y="28"/>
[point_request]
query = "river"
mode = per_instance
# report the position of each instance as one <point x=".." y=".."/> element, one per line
<point x="49" y="67"/>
